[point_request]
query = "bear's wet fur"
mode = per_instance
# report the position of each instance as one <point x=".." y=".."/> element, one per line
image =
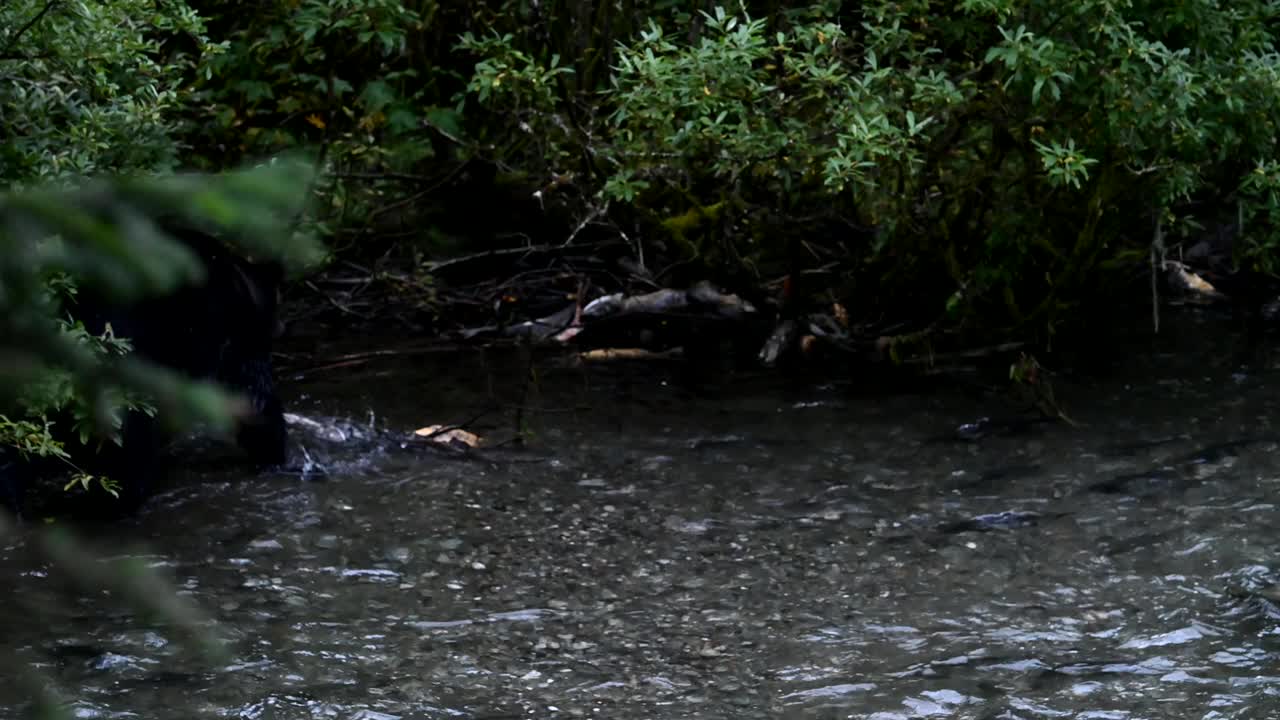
<point x="221" y="330"/>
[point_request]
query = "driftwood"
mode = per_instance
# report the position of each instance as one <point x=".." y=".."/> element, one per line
<point x="701" y="296"/>
<point x="623" y="354"/>
<point x="669" y="317"/>
<point x="1190" y="284"/>
<point x="701" y="300"/>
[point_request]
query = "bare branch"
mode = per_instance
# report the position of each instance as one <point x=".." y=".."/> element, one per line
<point x="13" y="42"/>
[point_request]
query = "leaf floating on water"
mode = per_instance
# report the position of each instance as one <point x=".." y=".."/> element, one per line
<point x="444" y="435"/>
<point x="1192" y="284"/>
<point x="607" y="354"/>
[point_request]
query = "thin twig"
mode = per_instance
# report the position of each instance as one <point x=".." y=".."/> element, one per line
<point x="407" y="177"/>
<point x="595" y="213"/>
<point x="456" y="426"/>
<point x="519" y="438"/>
<point x="440" y="265"/>
<point x="8" y="49"/>
<point x="334" y="302"/>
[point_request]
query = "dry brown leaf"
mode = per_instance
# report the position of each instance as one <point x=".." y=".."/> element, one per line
<point x="437" y="434"/>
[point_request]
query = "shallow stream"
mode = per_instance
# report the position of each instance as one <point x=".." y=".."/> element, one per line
<point x="763" y="548"/>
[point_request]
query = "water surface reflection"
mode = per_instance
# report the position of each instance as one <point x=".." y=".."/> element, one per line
<point x="761" y="550"/>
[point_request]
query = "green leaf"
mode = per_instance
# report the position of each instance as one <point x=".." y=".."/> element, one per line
<point x="376" y="95"/>
<point x="448" y="120"/>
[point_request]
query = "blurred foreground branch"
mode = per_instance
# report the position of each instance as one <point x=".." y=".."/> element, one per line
<point x="106" y="237"/>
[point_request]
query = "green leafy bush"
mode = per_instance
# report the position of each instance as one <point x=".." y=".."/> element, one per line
<point x="342" y="76"/>
<point x="1003" y="155"/>
<point x="55" y="392"/>
<point x="87" y="88"/>
<point x="103" y="235"/>
<point x="990" y="166"/>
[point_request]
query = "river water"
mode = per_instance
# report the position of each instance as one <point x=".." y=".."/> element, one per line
<point x="761" y="548"/>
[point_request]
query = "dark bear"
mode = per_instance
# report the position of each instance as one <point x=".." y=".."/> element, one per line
<point x="222" y="330"/>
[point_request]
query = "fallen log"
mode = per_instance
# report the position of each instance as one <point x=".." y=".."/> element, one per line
<point x="702" y="297"/>
<point x="700" y="302"/>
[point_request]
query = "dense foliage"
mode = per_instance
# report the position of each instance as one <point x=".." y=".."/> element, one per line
<point x="993" y="160"/>
<point x="91" y="90"/>
<point x="102" y="234"/>
<point x="949" y="172"/>
<point x="987" y="166"/>
<point x="87" y="88"/>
